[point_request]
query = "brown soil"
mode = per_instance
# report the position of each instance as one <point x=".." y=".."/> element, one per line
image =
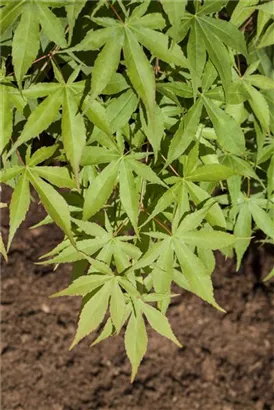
<point x="227" y="362"/>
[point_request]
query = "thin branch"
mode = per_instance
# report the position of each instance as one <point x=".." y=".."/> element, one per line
<point x="116" y="13"/>
<point x="18" y="153"/>
<point x="125" y="221"/>
<point x="159" y="223"/>
<point x="171" y="167"/>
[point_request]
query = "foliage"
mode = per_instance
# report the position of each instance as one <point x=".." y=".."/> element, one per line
<point x="146" y="129"/>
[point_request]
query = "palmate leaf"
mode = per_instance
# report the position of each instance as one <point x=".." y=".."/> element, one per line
<point x="186" y="132"/>
<point x="51" y="25"/>
<point x="225" y="31"/>
<point x="211" y="6"/>
<point x="158" y="44"/>
<point x="152" y="21"/>
<point x="259" y="105"/>
<point x="139" y="70"/>
<point x="228" y="131"/>
<point x="53" y="202"/>
<point x="93" y="313"/>
<point x="41" y="155"/>
<point x="175" y="10"/>
<point x="19" y="205"/>
<point x="40" y="118"/>
<point x="73" y="9"/>
<point x="100" y="190"/>
<point x="217" y="53"/>
<point x="73" y="132"/>
<point x="145" y="172"/>
<point x="57" y="176"/>
<point x="94" y="39"/>
<point x="135" y="339"/>
<point x="9" y="14"/>
<point x="262" y="219"/>
<point x="215" y="214"/>
<point x="196" y="273"/>
<point x="9" y="173"/>
<point x="25" y="45"/>
<point x="196" y="53"/>
<point x="103" y="72"/>
<point x="242" y="229"/>
<point x="120" y="110"/>
<point x="208" y="239"/>
<point x="210" y="173"/>
<point x="159" y="322"/>
<point x="83" y="285"/>
<point x="128" y="193"/>
<point x="5" y="118"/>
<point x="117" y="306"/>
<point x="85" y="247"/>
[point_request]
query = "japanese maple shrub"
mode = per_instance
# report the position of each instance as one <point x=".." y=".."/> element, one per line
<point x="146" y="130"/>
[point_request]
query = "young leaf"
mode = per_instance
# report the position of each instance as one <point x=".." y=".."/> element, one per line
<point x="210" y="173"/>
<point x="242" y="229"/>
<point x="175" y="10"/>
<point x="92" y="313"/>
<point x="139" y="70"/>
<point x="128" y="193"/>
<point x="186" y="132"/>
<point x="20" y="202"/>
<point x="226" y="32"/>
<point x="196" y="273"/>
<point x="217" y="52"/>
<point x="94" y="39"/>
<point x="25" y="45"/>
<point x="106" y="63"/>
<point x="9" y="14"/>
<point x="117" y="306"/>
<point x="53" y="202"/>
<point x="83" y="285"/>
<point x="196" y="53"/>
<point x="262" y="219"/>
<point x="51" y="25"/>
<point x="100" y="190"/>
<point x="108" y="331"/>
<point x="73" y="132"/>
<point x="5" y="118"/>
<point x="135" y="340"/>
<point x="145" y="172"/>
<point x="228" y="131"/>
<point x="85" y="248"/>
<point x="40" y="118"/>
<point x="159" y="322"/>
<point x="57" y="176"/>
<point x="73" y="10"/>
<point x="158" y="44"/>
<point x="215" y="215"/>
<point x="208" y="239"/>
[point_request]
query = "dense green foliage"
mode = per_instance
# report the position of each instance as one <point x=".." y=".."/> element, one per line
<point x="146" y="129"/>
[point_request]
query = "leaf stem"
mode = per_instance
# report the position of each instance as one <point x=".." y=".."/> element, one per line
<point x="171" y="167"/>
<point x="115" y="12"/>
<point x="159" y="222"/>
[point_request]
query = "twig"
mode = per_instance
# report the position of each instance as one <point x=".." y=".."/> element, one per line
<point x="159" y="222"/>
<point x="115" y="12"/>
<point x="171" y="167"/>
<point x="18" y="153"/>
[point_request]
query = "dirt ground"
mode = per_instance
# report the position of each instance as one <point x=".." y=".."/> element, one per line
<point x="227" y="362"/>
